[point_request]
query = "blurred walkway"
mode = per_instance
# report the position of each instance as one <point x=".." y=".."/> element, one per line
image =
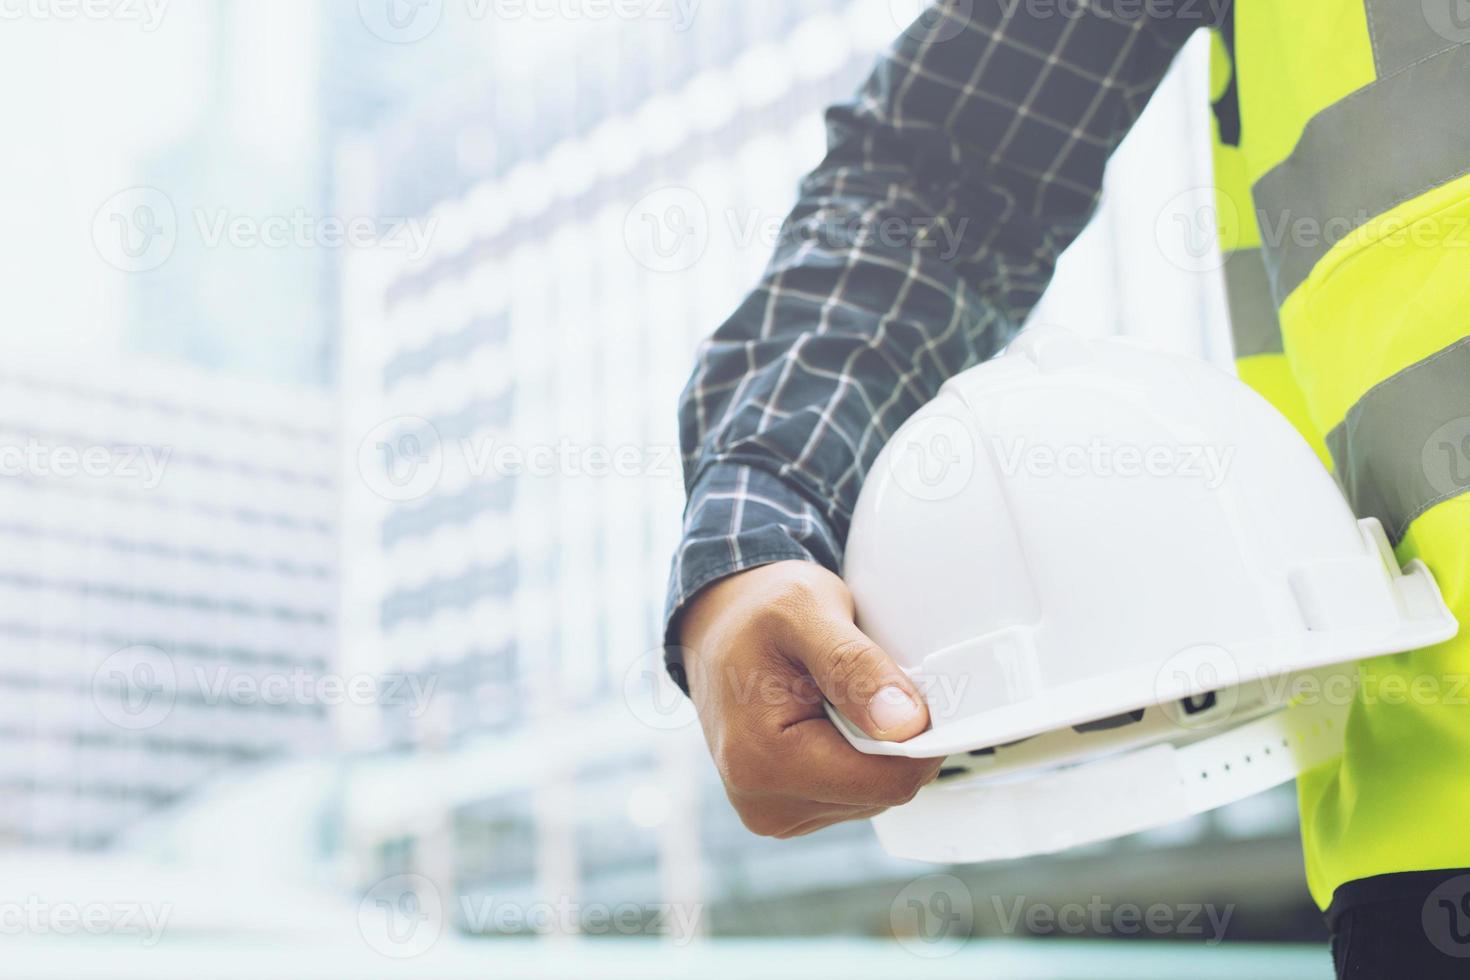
<point x="188" y="959"/>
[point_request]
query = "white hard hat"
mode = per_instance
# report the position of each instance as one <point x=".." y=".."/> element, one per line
<point x="1110" y="568"/>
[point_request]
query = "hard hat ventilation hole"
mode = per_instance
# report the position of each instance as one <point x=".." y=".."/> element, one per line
<point x="1200" y="704"/>
<point x="949" y="772"/>
<point x="1108" y="724"/>
<point x="989" y="751"/>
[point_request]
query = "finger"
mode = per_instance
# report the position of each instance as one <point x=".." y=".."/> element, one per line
<point x="819" y="764"/>
<point x="858" y="678"/>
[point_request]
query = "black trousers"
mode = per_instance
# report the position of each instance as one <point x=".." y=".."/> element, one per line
<point x="1412" y="926"/>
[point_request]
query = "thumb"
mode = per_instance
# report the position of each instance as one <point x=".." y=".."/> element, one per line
<point x="861" y="680"/>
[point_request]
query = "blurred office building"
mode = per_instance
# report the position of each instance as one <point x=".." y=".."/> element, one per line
<point x="513" y="355"/>
<point x="169" y="587"/>
<point x="272" y="87"/>
<point x="513" y="485"/>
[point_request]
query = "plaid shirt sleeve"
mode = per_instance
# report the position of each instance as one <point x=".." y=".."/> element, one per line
<point x="969" y="160"/>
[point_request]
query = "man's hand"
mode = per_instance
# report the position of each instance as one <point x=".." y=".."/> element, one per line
<point x="763" y="647"/>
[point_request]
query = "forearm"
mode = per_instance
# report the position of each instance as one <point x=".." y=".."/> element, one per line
<point x="917" y="248"/>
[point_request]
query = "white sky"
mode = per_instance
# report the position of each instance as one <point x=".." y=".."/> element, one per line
<point x="85" y="99"/>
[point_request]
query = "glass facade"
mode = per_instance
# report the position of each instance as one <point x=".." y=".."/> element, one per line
<point x="167" y="583"/>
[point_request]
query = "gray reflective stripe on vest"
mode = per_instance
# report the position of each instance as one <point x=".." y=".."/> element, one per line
<point x="1385" y="144"/>
<point x="1253" y="320"/>
<point x="1405" y="31"/>
<point x="1405" y="445"/>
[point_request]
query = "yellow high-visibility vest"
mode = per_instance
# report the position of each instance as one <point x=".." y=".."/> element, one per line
<point x="1343" y="180"/>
